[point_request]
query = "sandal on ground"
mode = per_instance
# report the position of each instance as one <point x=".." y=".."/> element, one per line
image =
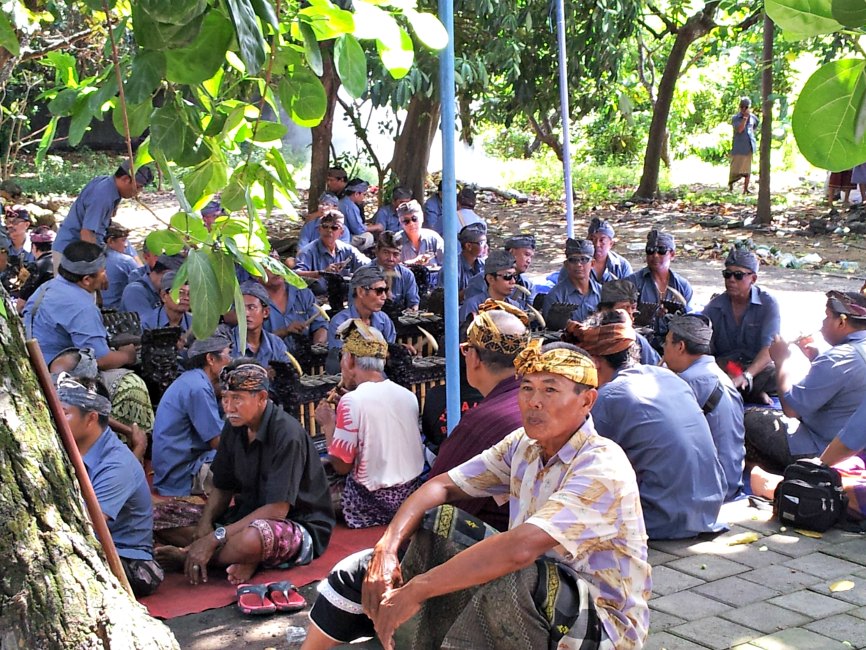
<point x="253" y="600"/>
<point x="285" y="596"/>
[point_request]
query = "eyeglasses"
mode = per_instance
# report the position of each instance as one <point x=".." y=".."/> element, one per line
<point x="508" y="277"/>
<point x="411" y="219"/>
<point x="330" y="226"/>
<point x="583" y="259"/>
<point x="379" y="291"/>
<point x="737" y="275"/>
<point x="658" y="250"/>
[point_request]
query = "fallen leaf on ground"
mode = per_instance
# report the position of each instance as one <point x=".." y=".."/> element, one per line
<point x="841" y="585"/>
<point x="743" y="538"/>
<point x="808" y="533"/>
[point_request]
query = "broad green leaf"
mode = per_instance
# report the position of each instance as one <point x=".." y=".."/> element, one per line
<point x="232" y="197"/>
<point x="311" y="49"/>
<point x="46" y="140"/>
<point x="195" y="183"/>
<point x="803" y="17"/>
<point x="165" y="242"/>
<point x="328" y="23"/>
<point x="399" y="61"/>
<point x="268" y="131"/>
<point x="101" y="97"/>
<point x="250" y="38"/>
<point x="191" y="225"/>
<point x="351" y="63"/>
<point x="265" y="11"/>
<point x="224" y="269"/>
<point x="8" y="37"/>
<point x="157" y="35"/>
<point x="276" y="160"/>
<point x="64" y="103"/>
<point x="142" y="155"/>
<point x="175" y="12"/>
<point x="64" y="64"/>
<point x="200" y="60"/>
<point x="240" y="308"/>
<point x="80" y="122"/>
<point x="303" y="97"/>
<point x="204" y="297"/>
<point x="212" y="85"/>
<point x="148" y="70"/>
<point x="428" y="29"/>
<point x="851" y="13"/>
<point x="138" y="116"/>
<point x="172" y="177"/>
<point x="168" y="131"/>
<point x="824" y="116"/>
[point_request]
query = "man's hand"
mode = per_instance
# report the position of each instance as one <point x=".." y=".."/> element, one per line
<point x="383" y="575"/>
<point x="139" y="441"/>
<point x="779" y="351"/>
<point x="336" y="267"/>
<point x="199" y="553"/>
<point x="130" y="351"/>
<point x="740" y="382"/>
<point x="296" y="327"/>
<point x="325" y="414"/>
<point x="807" y="347"/>
<point x="397" y="607"/>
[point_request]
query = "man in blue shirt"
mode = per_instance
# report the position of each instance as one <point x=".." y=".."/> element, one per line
<point x="118" y="265"/>
<point x="500" y="276"/>
<point x="293" y="313"/>
<point x="653" y="415"/>
<point x="352" y="207"/>
<point x="687" y="353"/>
<point x="117" y="477"/>
<point x="328" y="253"/>
<point x="816" y="408"/>
<point x="386" y="217"/>
<point x="310" y="231"/>
<point x="418" y="245"/>
<point x="606" y="264"/>
<point x="522" y="247"/>
<point x="745" y="124"/>
<point x="576" y="287"/>
<point x="262" y="346"/>
<point x="62" y="314"/>
<point x="170" y="313"/>
<point x="621" y="294"/>
<point x="186" y="431"/>
<point x="89" y="216"/>
<point x="745" y="320"/>
<point x="433" y="214"/>
<point x="367" y="294"/>
<point x="18" y="224"/>
<point x="402" y="286"/>
<point x="142" y="295"/>
<point x="473" y="242"/>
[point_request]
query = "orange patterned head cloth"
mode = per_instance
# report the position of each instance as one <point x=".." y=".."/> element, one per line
<point x="571" y="364"/>
<point x="602" y="340"/>
<point x="483" y="332"/>
<point x="362" y="340"/>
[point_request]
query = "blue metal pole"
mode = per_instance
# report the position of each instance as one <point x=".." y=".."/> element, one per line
<point x="563" y="102"/>
<point x="449" y="214"/>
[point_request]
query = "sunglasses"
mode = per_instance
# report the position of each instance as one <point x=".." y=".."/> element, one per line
<point x="737" y="275"/>
<point x="408" y="220"/>
<point x="506" y="276"/>
<point x="379" y="291"/>
<point x="658" y="250"/>
<point x="330" y="226"/>
<point x="579" y="260"/>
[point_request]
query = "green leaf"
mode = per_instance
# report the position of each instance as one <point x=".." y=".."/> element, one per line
<point x="165" y="242"/>
<point x="8" y="37"/>
<point x="138" y="116"/>
<point x="851" y="13"/>
<point x="824" y="116"/>
<point x="142" y="156"/>
<point x="80" y="122"/>
<point x="200" y="60"/>
<point x="328" y="23"/>
<point x="265" y="11"/>
<point x="174" y="12"/>
<point x="397" y="61"/>
<point x="428" y="29"/>
<point x="303" y="97"/>
<point x="803" y="17"/>
<point x="268" y="131"/>
<point x="240" y="308"/>
<point x="276" y="160"/>
<point x="311" y="49"/>
<point x="46" y="140"/>
<point x="250" y="38"/>
<point x="191" y="225"/>
<point x="63" y="104"/>
<point x="64" y="64"/>
<point x="168" y="131"/>
<point x="148" y="69"/>
<point x="351" y="63"/>
<point x="101" y="97"/>
<point x="204" y="295"/>
<point x="157" y="35"/>
<point x="373" y="23"/>
<point x="232" y="197"/>
<point x="196" y="182"/>
<point x="224" y="269"/>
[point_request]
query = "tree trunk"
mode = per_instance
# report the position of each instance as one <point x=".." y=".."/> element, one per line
<point x="412" y="147"/>
<point x="697" y="26"/>
<point x="320" y="157"/>
<point x="57" y="591"/>
<point x="764" y="214"/>
<point x="544" y="132"/>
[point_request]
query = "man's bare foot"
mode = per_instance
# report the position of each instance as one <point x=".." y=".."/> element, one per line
<point x="763" y="483"/>
<point x="240" y="573"/>
<point x="170" y="558"/>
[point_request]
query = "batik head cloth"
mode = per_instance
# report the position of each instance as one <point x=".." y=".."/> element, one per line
<point x="571" y="364"/>
<point x="362" y="340"/>
<point x="848" y="303"/>
<point x="602" y="340"/>
<point x="483" y="332"/>
<point x="73" y="393"/>
<point x="250" y="377"/>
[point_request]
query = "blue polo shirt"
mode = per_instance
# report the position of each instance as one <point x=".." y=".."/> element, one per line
<point x="829" y="395"/>
<point x="404" y="287"/>
<point x="386" y="216"/>
<point x="272" y="348"/>
<point x="566" y="292"/>
<point x="477" y="285"/>
<point x="726" y="420"/>
<point x="648" y="293"/>
<point x="92" y="210"/>
<point x="118" y="268"/>
<point x="466" y="273"/>
<point x="616" y="267"/>
<point x="310" y="233"/>
<point x="300" y="306"/>
<point x="433" y="218"/>
<point x="24" y="253"/>
<point x="759" y="324"/>
<point x="65" y="317"/>
<point x="315" y="257"/>
<point x="157" y="318"/>
<point x="123" y="494"/>
<point x="653" y="415"/>
<point x="853" y="434"/>
<point x="648" y="355"/>
<point x="470" y="305"/>
<point x="187" y="419"/>
<point x="140" y="296"/>
<point x="428" y="242"/>
<point x="352" y="218"/>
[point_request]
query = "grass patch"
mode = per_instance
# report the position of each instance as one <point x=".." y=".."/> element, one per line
<point x="64" y="175"/>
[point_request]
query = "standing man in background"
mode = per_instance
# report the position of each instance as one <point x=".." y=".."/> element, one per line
<point x="745" y="124"/>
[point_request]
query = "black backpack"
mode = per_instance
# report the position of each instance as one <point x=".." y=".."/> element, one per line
<point x="810" y="496"/>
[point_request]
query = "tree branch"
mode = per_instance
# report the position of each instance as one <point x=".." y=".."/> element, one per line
<point x="56" y="45"/>
<point x="360" y="133"/>
<point x="672" y="27"/>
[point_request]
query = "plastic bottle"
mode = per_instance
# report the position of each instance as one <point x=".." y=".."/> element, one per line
<point x="295" y="634"/>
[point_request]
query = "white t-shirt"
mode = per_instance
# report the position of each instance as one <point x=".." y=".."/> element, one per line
<point x="377" y="431"/>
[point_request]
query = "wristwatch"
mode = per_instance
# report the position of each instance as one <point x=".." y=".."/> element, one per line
<point x="221" y="535"/>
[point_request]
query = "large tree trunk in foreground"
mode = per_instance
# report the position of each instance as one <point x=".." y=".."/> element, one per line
<point x="57" y="591"/>
<point x="765" y="216"/>
<point x="320" y="157"/>
<point x="412" y="148"/>
<point x="696" y="27"/>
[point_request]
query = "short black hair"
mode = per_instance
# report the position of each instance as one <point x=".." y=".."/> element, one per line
<point x="494" y="360"/>
<point x="691" y="346"/>
<point x="401" y="193"/>
<point x="79" y="251"/>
